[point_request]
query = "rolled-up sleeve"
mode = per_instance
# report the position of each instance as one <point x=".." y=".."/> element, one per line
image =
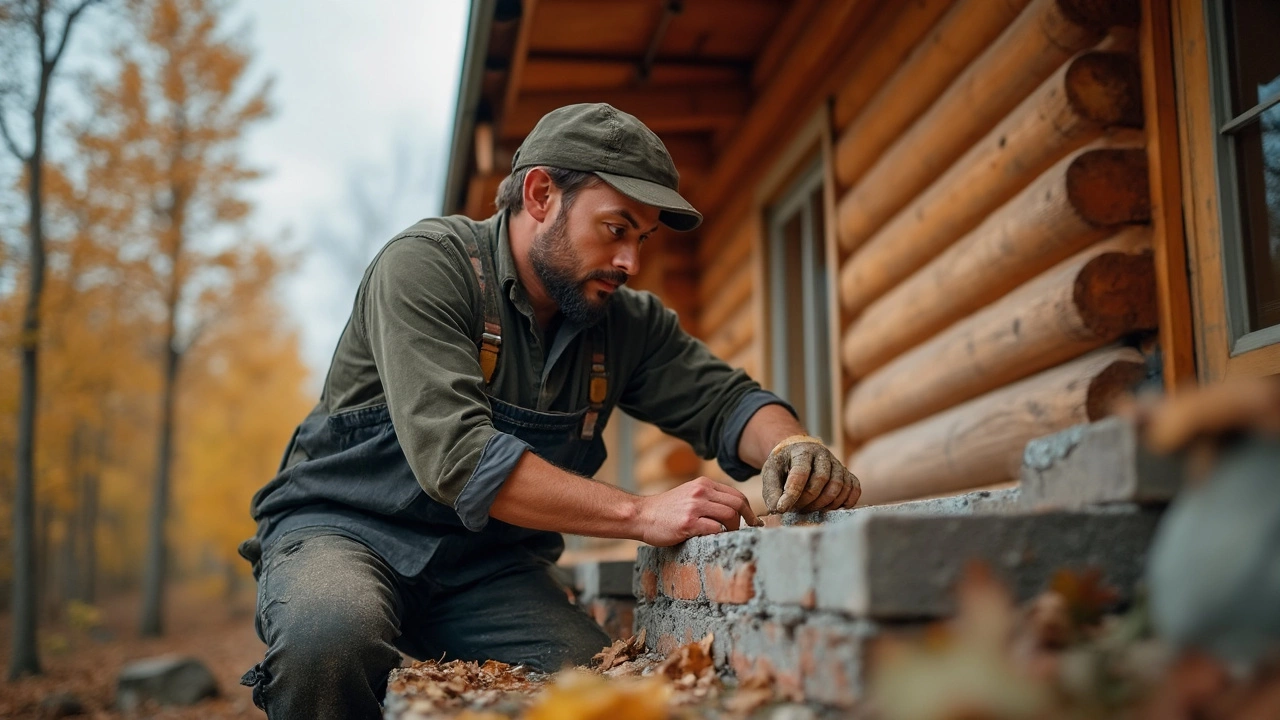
<point x="418" y="315"/>
<point x="684" y="389"/>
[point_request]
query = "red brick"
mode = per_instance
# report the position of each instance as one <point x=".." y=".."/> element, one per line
<point x="788" y="685"/>
<point x="665" y="643"/>
<point x="827" y="657"/>
<point x="734" y="588"/>
<point x="681" y="581"/>
<point x="649" y="584"/>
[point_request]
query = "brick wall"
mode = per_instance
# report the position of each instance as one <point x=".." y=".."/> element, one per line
<point x="804" y="603"/>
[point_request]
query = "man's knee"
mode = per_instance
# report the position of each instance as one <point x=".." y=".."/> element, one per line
<point x="328" y="613"/>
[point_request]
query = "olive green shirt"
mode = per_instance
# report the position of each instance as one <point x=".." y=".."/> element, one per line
<point x="412" y="342"/>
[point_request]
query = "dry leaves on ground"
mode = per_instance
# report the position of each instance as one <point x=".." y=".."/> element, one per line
<point x="627" y="684"/>
<point x="619" y="652"/>
<point x="692" y="671"/>
<point x="430" y="688"/>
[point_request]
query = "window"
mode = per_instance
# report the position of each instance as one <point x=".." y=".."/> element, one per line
<point x="800" y="302"/>
<point x="1245" y="79"/>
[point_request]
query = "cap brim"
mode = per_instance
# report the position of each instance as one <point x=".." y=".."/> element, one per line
<point x="676" y="212"/>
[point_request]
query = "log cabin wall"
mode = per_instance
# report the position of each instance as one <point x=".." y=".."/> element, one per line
<point x="995" y="277"/>
<point x="988" y="216"/>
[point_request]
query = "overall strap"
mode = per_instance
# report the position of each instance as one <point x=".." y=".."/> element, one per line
<point x="491" y="337"/>
<point x="597" y="385"/>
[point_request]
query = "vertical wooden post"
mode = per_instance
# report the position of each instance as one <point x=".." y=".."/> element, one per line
<point x="1170" y="251"/>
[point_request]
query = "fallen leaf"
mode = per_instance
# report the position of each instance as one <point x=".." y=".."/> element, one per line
<point x="577" y="695"/>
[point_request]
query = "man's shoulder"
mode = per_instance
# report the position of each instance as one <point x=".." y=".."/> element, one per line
<point x="632" y="306"/>
<point x="456" y="232"/>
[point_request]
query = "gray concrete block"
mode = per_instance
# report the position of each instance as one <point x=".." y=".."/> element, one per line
<point x="834" y="659"/>
<point x="886" y="565"/>
<point x="1101" y="462"/>
<point x="607" y="579"/>
<point x="785" y="571"/>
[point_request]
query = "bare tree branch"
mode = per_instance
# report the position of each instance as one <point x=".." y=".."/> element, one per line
<point x="67" y="24"/>
<point x="9" y="142"/>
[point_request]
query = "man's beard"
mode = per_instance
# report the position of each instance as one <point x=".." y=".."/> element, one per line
<point x="553" y="260"/>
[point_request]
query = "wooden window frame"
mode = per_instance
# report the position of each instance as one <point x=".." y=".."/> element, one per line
<point x="1223" y="351"/>
<point x="811" y="143"/>
<point x="798" y="200"/>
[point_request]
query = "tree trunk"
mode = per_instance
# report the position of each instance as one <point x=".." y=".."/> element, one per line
<point x="88" y="590"/>
<point x="24" y="657"/>
<point x="157" y="552"/>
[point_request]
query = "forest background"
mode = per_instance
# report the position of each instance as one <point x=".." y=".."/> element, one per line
<point x="164" y="366"/>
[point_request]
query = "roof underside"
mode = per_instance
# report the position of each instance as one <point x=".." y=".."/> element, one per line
<point x="688" y="70"/>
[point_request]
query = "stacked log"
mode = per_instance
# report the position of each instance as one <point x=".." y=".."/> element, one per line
<point x="1093" y="298"/>
<point x="1073" y="205"/>
<point x="964" y="32"/>
<point x="892" y="43"/>
<point x="1093" y="91"/>
<point x="1040" y="40"/>
<point x="980" y="442"/>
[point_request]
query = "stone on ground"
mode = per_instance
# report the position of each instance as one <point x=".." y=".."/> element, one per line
<point x="168" y="680"/>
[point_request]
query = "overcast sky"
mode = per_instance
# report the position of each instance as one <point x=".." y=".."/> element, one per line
<point x="364" y="96"/>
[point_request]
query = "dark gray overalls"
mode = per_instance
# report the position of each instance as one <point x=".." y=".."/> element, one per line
<point x="390" y="569"/>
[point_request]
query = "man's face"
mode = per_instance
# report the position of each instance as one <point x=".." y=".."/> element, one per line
<point x="591" y="249"/>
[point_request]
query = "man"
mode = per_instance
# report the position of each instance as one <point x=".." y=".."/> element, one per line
<point x="419" y="506"/>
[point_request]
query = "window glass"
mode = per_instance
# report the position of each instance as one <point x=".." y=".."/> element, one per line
<point x="1258" y="169"/>
<point x="1253" y="131"/>
<point x="1255" y="59"/>
<point x="799" y="303"/>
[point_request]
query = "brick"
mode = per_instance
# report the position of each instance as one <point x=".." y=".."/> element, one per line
<point x="785" y="565"/>
<point x="648" y="585"/>
<point x="769" y="649"/>
<point x="682" y="581"/>
<point x="604" y="579"/>
<point x="885" y="565"/>
<point x="665" y="643"/>
<point x="734" y="587"/>
<point x="833" y="660"/>
<point x="1101" y="462"/>
<point x="976" y="502"/>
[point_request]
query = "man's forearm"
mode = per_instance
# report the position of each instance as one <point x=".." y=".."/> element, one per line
<point x="770" y="425"/>
<point x="541" y="496"/>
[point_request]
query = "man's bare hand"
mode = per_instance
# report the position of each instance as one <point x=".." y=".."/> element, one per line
<point x="698" y="507"/>
<point x="803" y="475"/>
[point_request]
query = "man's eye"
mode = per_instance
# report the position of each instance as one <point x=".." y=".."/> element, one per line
<point x="618" y="231"/>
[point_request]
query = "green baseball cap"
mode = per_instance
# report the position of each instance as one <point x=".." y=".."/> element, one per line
<point x="601" y="139"/>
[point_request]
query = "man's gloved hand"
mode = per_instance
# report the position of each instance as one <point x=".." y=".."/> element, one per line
<point x="803" y="475"/>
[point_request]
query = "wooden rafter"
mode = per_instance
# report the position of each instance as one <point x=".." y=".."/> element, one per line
<point x="674" y="110"/>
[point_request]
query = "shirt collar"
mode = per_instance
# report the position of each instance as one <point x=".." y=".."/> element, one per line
<point x="506" y="262"/>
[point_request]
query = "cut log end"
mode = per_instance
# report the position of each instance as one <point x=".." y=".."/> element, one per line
<point x="1117" y="380"/>
<point x="1106" y="87"/>
<point x="1116" y="293"/>
<point x="1109" y="186"/>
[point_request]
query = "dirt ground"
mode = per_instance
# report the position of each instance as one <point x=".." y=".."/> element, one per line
<point x="200" y="621"/>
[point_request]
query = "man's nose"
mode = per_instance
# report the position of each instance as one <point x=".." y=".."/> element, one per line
<point x="628" y="259"/>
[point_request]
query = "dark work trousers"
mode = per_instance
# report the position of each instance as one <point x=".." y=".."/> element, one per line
<point x="335" y="618"/>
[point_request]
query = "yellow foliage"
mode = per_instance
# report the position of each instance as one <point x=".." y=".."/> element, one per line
<point x="578" y="695"/>
<point x="145" y="224"/>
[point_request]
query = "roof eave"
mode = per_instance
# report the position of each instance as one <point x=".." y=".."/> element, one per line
<point x="479" y="25"/>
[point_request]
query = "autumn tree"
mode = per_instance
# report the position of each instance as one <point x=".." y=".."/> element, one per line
<point x="173" y="115"/>
<point x="44" y="28"/>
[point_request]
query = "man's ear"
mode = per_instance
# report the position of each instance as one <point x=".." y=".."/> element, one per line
<point x="538" y="190"/>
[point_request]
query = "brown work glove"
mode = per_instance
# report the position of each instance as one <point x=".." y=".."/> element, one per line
<point x="803" y="475"/>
